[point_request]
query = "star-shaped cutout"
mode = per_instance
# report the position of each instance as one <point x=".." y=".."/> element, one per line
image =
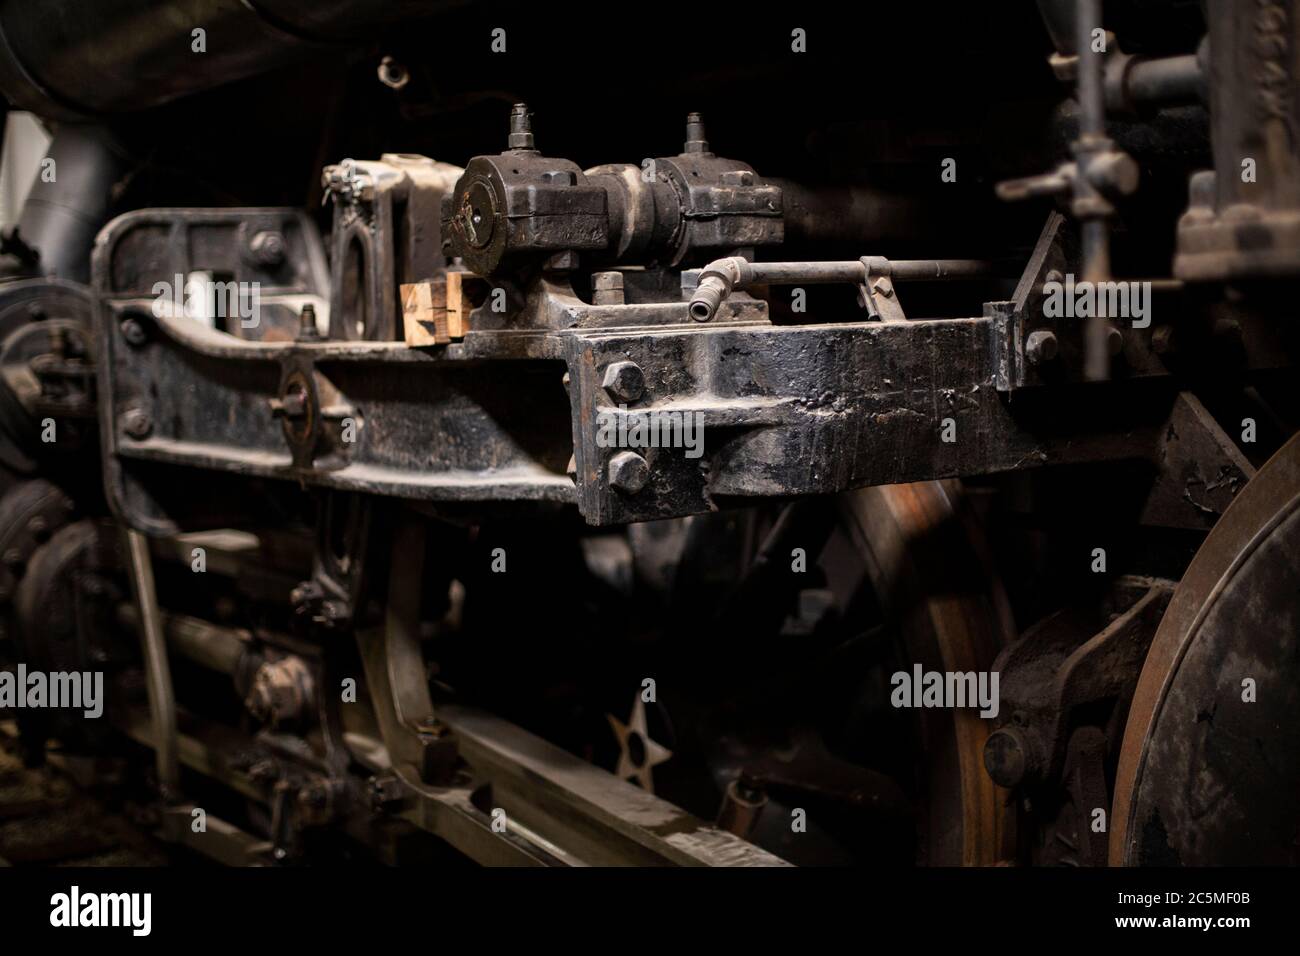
<point x="637" y="752"/>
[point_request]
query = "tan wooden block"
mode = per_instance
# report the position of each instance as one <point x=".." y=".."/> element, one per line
<point x="424" y="313"/>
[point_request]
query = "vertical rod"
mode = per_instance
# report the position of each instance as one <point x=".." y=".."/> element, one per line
<point x="1092" y="133"/>
<point x="1089" y="82"/>
<point x="158" y="678"/>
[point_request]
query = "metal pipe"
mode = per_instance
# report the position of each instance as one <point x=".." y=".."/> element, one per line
<point x="1164" y="81"/>
<point x="63" y="213"/>
<point x="1090" y="92"/>
<point x="221" y="649"/>
<point x="158" y="678"/>
<point x="1090" y="82"/>
<point x="721" y="277"/>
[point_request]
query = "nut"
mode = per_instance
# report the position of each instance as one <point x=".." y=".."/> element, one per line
<point x="267" y="248"/>
<point x="1041" y="346"/>
<point x="628" y="472"/>
<point x="137" y="423"/>
<point x="624" y="381"/>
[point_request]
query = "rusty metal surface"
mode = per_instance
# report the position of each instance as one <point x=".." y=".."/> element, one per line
<point x="1205" y="776"/>
<point x="953" y="619"/>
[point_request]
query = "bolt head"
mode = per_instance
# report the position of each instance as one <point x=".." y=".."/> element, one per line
<point x="1041" y="346"/>
<point x="1005" y="757"/>
<point x="133" y="331"/>
<point x="137" y="423"/>
<point x="624" y="381"/>
<point x="267" y="248"/>
<point x="628" y="472"/>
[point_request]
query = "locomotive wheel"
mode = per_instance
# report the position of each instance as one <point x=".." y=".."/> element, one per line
<point x="1208" y="772"/>
<point x="926" y="560"/>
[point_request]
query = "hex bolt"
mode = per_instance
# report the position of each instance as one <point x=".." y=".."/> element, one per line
<point x="307" y="331"/>
<point x="521" y="128"/>
<point x="560" y="177"/>
<point x="628" y="472"/>
<point x="624" y="381"/>
<point x="267" y="248"/>
<point x="882" y="287"/>
<point x="137" y="423"/>
<point x="1041" y="346"/>
<point x="695" y="141"/>
<point x="133" y="331"/>
<point x="607" y="288"/>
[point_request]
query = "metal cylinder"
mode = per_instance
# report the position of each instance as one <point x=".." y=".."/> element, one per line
<point x="217" y="648"/>
<point x="1164" y="81"/>
<point x="66" y="208"/>
<point x="860" y="215"/>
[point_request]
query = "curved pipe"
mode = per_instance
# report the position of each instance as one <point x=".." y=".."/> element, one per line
<point x="63" y="213"/>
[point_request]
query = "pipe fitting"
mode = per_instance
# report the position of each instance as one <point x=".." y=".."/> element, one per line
<point x="717" y="280"/>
